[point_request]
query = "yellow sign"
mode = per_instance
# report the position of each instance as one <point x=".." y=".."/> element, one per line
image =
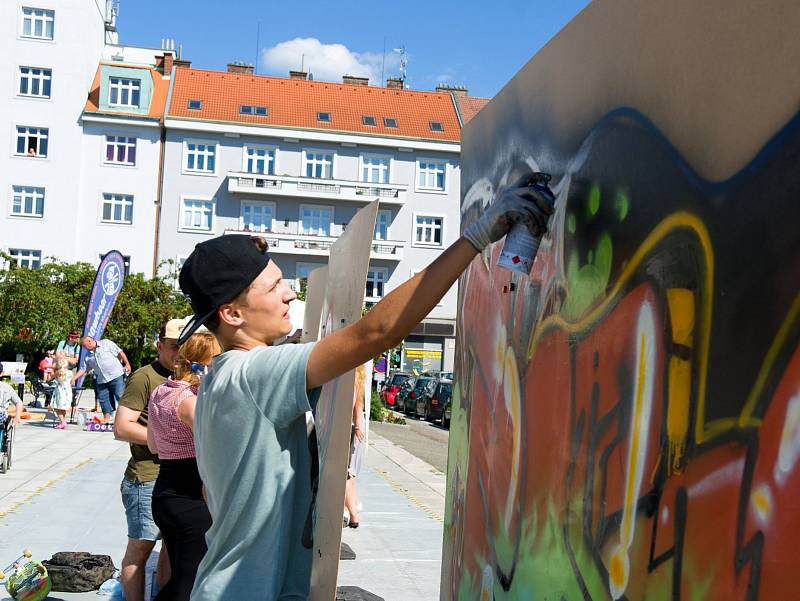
<point x="423" y="354"/>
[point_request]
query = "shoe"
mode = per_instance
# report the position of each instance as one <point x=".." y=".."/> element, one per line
<point x="352" y="525"/>
<point x="60" y="426"/>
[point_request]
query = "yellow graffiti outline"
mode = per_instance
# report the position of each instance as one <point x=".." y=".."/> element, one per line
<point x="676" y="221"/>
<point x="769" y="360"/>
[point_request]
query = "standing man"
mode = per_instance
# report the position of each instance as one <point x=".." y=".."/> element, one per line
<point x="109" y="365"/>
<point x="142" y="471"/>
<point x="250" y="427"/>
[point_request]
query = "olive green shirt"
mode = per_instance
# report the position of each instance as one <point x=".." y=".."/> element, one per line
<point x="143" y="465"/>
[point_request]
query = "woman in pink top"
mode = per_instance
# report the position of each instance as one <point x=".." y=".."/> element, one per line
<point x="179" y="509"/>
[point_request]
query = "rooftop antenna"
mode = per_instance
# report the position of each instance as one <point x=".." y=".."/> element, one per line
<point x="258" y="43"/>
<point x="403" y="60"/>
<point x="302" y="63"/>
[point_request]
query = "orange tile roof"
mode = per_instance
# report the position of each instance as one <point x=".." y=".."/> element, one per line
<point x="295" y="103"/>
<point x="157" y="104"/>
<point x="471" y="106"/>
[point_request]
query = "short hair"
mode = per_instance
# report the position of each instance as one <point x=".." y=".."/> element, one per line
<point x="201" y="347"/>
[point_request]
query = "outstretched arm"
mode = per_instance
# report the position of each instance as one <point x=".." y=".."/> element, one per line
<point x="393" y="318"/>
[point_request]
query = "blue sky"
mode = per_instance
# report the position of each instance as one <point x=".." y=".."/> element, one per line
<point x="475" y="44"/>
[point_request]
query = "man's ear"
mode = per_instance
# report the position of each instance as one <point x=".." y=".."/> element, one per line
<point x="230" y="314"/>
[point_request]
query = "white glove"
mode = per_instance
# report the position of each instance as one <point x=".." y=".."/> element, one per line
<point x="520" y="204"/>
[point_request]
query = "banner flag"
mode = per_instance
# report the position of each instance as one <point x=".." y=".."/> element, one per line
<point x="107" y="285"/>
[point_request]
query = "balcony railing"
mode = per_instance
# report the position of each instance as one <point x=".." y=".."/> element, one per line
<point x="305" y="244"/>
<point x="307" y="187"/>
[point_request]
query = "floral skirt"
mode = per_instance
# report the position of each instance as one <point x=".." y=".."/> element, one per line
<point x="62" y="396"/>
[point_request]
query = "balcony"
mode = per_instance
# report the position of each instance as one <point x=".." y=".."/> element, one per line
<point x="308" y="187"/>
<point x="319" y="246"/>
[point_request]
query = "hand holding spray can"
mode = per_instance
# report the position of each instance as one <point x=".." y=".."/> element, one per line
<point x="520" y="248"/>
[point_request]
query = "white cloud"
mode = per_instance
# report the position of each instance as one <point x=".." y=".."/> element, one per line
<point x="327" y="62"/>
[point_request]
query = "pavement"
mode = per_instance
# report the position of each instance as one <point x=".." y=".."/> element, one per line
<point x="62" y="494"/>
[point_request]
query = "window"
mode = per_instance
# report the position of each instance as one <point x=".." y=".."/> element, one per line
<point x="431" y="175"/>
<point x="27" y="201"/>
<point x="315" y="220"/>
<point x="258" y="111"/>
<point x="324" y="117"/>
<point x="123" y="92"/>
<point x="117" y="208"/>
<point x="375" y="169"/>
<point x="197" y="214"/>
<point x="37" y="23"/>
<point x="35" y="82"/>
<point x="120" y="150"/>
<point x="382" y="225"/>
<point x="257" y="217"/>
<point x="428" y="230"/>
<point x="194" y="105"/>
<point x="302" y="272"/>
<point x="376" y="278"/>
<point x="390" y="122"/>
<point x="200" y="157"/>
<point x="24" y="257"/>
<point x="435" y="126"/>
<point x="318" y="164"/>
<point x="126" y="263"/>
<point x="32" y="141"/>
<point x="259" y="160"/>
<point x="368" y="120"/>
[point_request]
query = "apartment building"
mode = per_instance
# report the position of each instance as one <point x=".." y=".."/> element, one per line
<point x="293" y="160"/>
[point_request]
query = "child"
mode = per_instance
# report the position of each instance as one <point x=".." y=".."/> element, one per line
<point x="62" y="394"/>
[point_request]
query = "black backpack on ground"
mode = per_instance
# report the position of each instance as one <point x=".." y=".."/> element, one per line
<point x="77" y="572"/>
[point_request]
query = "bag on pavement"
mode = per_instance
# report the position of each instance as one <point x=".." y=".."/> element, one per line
<point x="78" y="572"/>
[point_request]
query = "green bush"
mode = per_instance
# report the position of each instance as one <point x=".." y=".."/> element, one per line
<point x="376" y="410"/>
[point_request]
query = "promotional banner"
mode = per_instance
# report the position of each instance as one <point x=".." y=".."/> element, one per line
<point x="107" y="284"/>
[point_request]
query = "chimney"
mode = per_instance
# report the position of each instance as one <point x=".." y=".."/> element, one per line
<point x="355" y="81"/>
<point x="298" y="75"/>
<point x="167" y="60"/>
<point x="394" y="83"/>
<point x="448" y="89"/>
<point x="243" y="68"/>
<point x="181" y="63"/>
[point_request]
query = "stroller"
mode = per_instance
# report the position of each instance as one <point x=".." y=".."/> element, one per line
<point x="42" y="391"/>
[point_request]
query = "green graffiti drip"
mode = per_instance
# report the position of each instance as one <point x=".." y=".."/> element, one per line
<point x="572" y="223"/>
<point x="621" y="205"/>
<point x="594" y="200"/>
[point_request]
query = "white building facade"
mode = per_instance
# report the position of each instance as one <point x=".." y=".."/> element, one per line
<point x="298" y="187"/>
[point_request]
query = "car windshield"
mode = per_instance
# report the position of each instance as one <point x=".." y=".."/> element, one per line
<point x="445" y="390"/>
<point x="421" y="384"/>
<point x="398" y="379"/>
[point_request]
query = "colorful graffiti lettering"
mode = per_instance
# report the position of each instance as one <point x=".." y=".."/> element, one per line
<point x="626" y="421"/>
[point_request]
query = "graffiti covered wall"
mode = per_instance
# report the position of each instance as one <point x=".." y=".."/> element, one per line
<point x="626" y="421"/>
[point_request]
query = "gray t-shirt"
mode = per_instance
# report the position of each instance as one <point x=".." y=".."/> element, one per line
<point x="252" y="452"/>
<point x="104" y="360"/>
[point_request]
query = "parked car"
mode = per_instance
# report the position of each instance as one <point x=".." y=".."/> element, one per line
<point x="423" y="386"/>
<point x="402" y="399"/>
<point x="431" y="404"/>
<point x="389" y="392"/>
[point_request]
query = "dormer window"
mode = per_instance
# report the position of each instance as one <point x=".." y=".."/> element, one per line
<point x="258" y="111"/>
<point x="123" y="92"/>
<point x="436" y="126"/>
<point x="195" y="105"/>
<point x="390" y="122"/>
<point x="368" y="120"/>
<point x="324" y="117"/>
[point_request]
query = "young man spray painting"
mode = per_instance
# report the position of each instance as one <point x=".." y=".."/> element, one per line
<point x="250" y="429"/>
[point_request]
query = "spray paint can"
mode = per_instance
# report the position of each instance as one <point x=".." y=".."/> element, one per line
<point x="520" y="248"/>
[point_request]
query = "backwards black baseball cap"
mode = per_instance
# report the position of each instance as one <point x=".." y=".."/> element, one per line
<point x="216" y="272"/>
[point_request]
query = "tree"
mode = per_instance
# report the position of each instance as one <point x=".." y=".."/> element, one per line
<point x="40" y="306"/>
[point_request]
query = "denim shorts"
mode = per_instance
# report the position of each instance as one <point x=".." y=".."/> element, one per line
<point x="137" y="497"/>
